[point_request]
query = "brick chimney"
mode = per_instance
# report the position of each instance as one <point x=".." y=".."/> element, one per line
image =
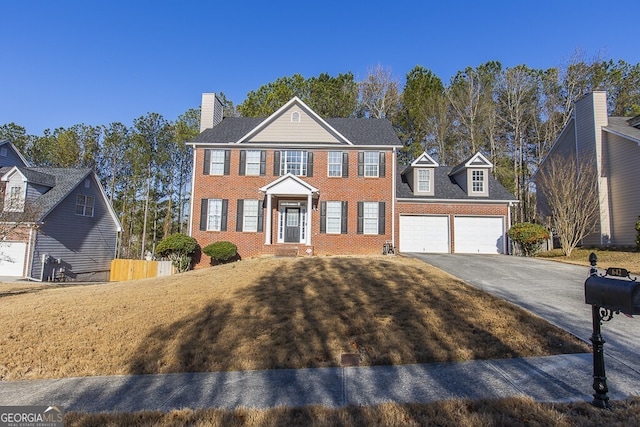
<point x="210" y="111"/>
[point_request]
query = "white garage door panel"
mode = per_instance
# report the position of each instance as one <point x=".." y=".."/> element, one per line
<point x="427" y="234"/>
<point x="479" y="235"/>
<point x="12" y="258"/>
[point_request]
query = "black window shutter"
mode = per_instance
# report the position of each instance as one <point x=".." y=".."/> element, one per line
<point x="345" y="164"/>
<point x="239" y="215"/>
<point x="263" y="162"/>
<point x="345" y="212"/>
<point x="361" y="163"/>
<point x="260" y="215"/>
<point x="204" y="214"/>
<point x="243" y="162"/>
<point x="381" y="218"/>
<point x="223" y="220"/>
<point x="227" y="161"/>
<point x="323" y="217"/>
<point x="360" y="217"/>
<point x="382" y="165"/>
<point x="276" y="163"/>
<point x="310" y="164"/>
<point x="207" y="162"/>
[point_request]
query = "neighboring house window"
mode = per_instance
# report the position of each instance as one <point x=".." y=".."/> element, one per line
<point x="14" y="200"/>
<point x="249" y="215"/>
<point x="477" y="181"/>
<point x="371" y="218"/>
<point x="335" y="163"/>
<point x="294" y="162"/>
<point x="213" y="214"/>
<point x="216" y="162"/>
<point x="84" y="205"/>
<point x="333" y="217"/>
<point x="424" y="180"/>
<point x="295" y="117"/>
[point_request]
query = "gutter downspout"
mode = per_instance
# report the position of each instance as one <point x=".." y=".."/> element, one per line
<point x="29" y="254"/>
<point x="507" y="240"/>
<point x="393" y="198"/>
<point x="193" y="183"/>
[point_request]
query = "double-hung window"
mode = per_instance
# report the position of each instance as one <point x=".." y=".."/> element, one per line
<point x="294" y="162"/>
<point x="334" y="217"/>
<point x="477" y="181"/>
<point x="424" y="180"/>
<point x="84" y="205"/>
<point x="250" y="215"/>
<point x="214" y="215"/>
<point x="370" y="210"/>
<point x="335" y="163"/>
<point x="216" y="166"/>
<point x="253" y="162"/>
<point x="371" y="163"/>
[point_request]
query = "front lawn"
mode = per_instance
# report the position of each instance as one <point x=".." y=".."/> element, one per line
<point x="606" y="258"/>
<point x="266" y="313"/>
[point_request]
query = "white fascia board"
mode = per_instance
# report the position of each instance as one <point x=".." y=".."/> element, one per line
<point x="457" y="201"/>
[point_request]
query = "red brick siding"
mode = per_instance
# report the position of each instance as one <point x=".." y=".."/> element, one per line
<point x="352" y="189"/>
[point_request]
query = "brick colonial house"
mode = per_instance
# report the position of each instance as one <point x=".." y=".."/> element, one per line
<point x="297" y="183"/>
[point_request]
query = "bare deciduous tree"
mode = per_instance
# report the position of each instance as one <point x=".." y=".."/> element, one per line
<point x="568" y="190"/>
<point x="379" y="93"/>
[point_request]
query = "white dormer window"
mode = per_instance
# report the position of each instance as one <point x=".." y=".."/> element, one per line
<point x="424" y="180"/>
<point x="14" y="199"/>
<point x="295" y="117"/>
<point x="477" y="181"/>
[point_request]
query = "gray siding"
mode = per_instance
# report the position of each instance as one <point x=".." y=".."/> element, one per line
<point x="624" y="200"/>
<point x="35" y="190"/>
<point x="10" y="158"/>
<point x="85" y="245"/>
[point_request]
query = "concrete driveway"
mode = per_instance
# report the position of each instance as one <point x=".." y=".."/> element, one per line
<point x="552" y="290"/>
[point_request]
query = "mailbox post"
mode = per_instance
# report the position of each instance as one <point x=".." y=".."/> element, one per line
<point x="607" y="294"/>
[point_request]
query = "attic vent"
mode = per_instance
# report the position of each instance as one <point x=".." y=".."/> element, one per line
<point x="295" y="117"/>
<point x="3" y="152"/>
<point x="87" y="183"/>
<point x="635" y="122"/>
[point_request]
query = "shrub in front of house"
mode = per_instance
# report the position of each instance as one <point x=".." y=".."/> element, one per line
<point x="222" y="251"/>
<point x="528" y="236"/>
<point x="179" y="249"/>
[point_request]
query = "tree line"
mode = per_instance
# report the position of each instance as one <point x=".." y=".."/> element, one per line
<point x="512" y="115"/>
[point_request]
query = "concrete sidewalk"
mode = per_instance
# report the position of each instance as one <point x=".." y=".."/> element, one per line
<point x="547" y="379"/>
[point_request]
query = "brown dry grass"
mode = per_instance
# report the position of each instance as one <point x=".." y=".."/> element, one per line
<point x="263" y="314"/>
<point x="606" y="258"/>
<point x="505" y="412"/>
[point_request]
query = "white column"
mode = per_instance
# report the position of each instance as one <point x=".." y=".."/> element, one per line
<point x="309" y="206"/>
<point x="267" y="229"/>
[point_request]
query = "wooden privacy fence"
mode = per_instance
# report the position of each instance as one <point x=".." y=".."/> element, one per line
<point x="132" y="269"/>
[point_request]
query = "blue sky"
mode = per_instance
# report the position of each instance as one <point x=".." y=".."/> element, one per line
<point x="67" y="62"/>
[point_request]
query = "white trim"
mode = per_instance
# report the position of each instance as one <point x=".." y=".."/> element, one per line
<point x="622" y="135"/>
<point x="424" y="156"/>
<point x="193" y="183"/>
<point x="469" y="164"/>
<point x="267" y="189"/>
<point x="457" y="201"/>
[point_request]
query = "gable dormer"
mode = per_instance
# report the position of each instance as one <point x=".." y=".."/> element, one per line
<point x="420" y="175"/>
<point x="24" y="185"/>
<point x="472" y="175"/>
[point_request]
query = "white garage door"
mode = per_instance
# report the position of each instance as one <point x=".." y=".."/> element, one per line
<point x="12" y="258"/>
<point x="478" y="235"/>
<point x="427" y="234"/>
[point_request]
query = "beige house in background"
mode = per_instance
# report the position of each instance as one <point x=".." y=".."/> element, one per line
<point x="615" y="143"/>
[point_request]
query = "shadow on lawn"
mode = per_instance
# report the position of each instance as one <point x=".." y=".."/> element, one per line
<point x="308" y="312"/>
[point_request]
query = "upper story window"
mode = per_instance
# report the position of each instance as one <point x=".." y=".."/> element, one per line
<point x="424" y="180"/>
<point x="84" y="205"/>
<point x="371" y="163"/>
<point x="217" y="162"/>
<point x="295" y="117"/>
<point x="14" y="199"/>
<point x="294" y="162"/>
<point x="335" y="163"/>
<point x="477" y="181"/>
<point x="253" y="162"/>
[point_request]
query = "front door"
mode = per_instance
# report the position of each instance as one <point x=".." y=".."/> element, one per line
<point x="292" y="225"/>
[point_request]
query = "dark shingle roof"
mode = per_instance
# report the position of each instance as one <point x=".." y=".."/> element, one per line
<point x="358" y="131"/>
<point x="446" y="188"/>
<point x="621" y="125"/>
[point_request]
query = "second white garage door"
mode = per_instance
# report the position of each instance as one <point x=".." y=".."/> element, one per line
<point x="478" y="235"/>
<point x="426" y="234"/>
<point x="12" y="258"/>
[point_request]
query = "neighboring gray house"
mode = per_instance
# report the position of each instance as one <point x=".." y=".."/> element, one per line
<point x="615" y="144"/>
<point x="10" y="156"/>
<point x="63" y="224"/>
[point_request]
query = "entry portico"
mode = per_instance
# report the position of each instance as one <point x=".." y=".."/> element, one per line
<point x="294" y="198"/>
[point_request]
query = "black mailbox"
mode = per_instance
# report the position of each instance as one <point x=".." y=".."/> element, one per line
<point x="613" y="294"/>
